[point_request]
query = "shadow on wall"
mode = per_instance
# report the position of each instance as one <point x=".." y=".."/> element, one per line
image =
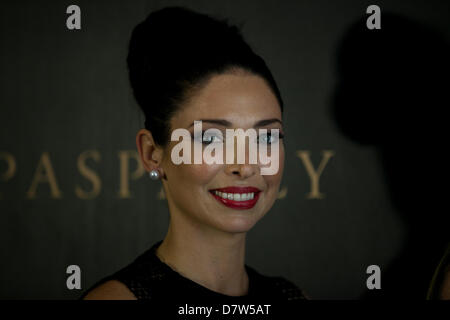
<point x="392" y="92"/>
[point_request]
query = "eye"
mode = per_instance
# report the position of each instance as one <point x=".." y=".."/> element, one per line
<point x="268" y="138"/>
<point x="208" y="138"/>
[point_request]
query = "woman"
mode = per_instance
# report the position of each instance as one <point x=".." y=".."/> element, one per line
<point x="186" y="67"/>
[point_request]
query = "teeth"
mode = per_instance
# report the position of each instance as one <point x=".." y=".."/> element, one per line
<point x="235" y="196"/>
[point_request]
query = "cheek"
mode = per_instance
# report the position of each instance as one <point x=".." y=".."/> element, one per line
<point x="203" y="174"/>
<point x="193" y="175"/>
<point x="273" y="181"/>
<point x="189" y="175"/>
<point x="280" y="172"/>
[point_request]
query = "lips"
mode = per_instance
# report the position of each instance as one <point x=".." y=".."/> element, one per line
<point x="237" y="197"/>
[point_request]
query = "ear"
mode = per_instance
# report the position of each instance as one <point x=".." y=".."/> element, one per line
<point x="149" y="152"/>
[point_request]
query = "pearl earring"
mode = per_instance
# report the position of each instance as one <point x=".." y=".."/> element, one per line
<point x="154" y="174"/>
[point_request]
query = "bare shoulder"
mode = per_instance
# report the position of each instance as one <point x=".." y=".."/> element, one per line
<point x="445" y="287"/>
<point x="110" y="290"/>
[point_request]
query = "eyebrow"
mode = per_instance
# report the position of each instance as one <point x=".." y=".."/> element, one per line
<point x="227" y="123"/>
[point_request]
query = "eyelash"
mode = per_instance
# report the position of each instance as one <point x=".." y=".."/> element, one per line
<point x="206" y="142"/>
<point x="280" y="136"/>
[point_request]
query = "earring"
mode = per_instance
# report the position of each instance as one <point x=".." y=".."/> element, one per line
<point x="154" y="174"/>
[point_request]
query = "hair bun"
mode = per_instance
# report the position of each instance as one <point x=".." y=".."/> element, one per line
<point x="173" y="50"/>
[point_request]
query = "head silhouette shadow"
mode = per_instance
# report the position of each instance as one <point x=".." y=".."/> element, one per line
<point x="392" y="92"/>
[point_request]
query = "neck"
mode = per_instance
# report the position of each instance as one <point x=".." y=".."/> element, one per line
<point x="211" y="258"/>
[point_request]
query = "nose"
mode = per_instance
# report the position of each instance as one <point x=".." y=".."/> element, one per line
<point x="241" y="170"/>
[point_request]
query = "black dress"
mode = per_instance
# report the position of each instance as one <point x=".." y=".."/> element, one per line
<point x="148" y="278"/>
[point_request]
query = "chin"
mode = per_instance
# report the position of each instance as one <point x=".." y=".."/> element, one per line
<point x="237" y="224"/>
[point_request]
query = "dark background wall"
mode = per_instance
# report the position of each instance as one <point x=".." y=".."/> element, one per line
<point x="64" y="95"/>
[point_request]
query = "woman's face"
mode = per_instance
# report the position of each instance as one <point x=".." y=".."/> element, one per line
<point x="238" y="101"/>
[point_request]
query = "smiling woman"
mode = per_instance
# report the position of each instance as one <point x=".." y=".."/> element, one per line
<point x="184" y="67"/>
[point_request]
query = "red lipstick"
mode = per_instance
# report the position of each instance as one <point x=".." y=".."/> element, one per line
<point x="240" y="198"/>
